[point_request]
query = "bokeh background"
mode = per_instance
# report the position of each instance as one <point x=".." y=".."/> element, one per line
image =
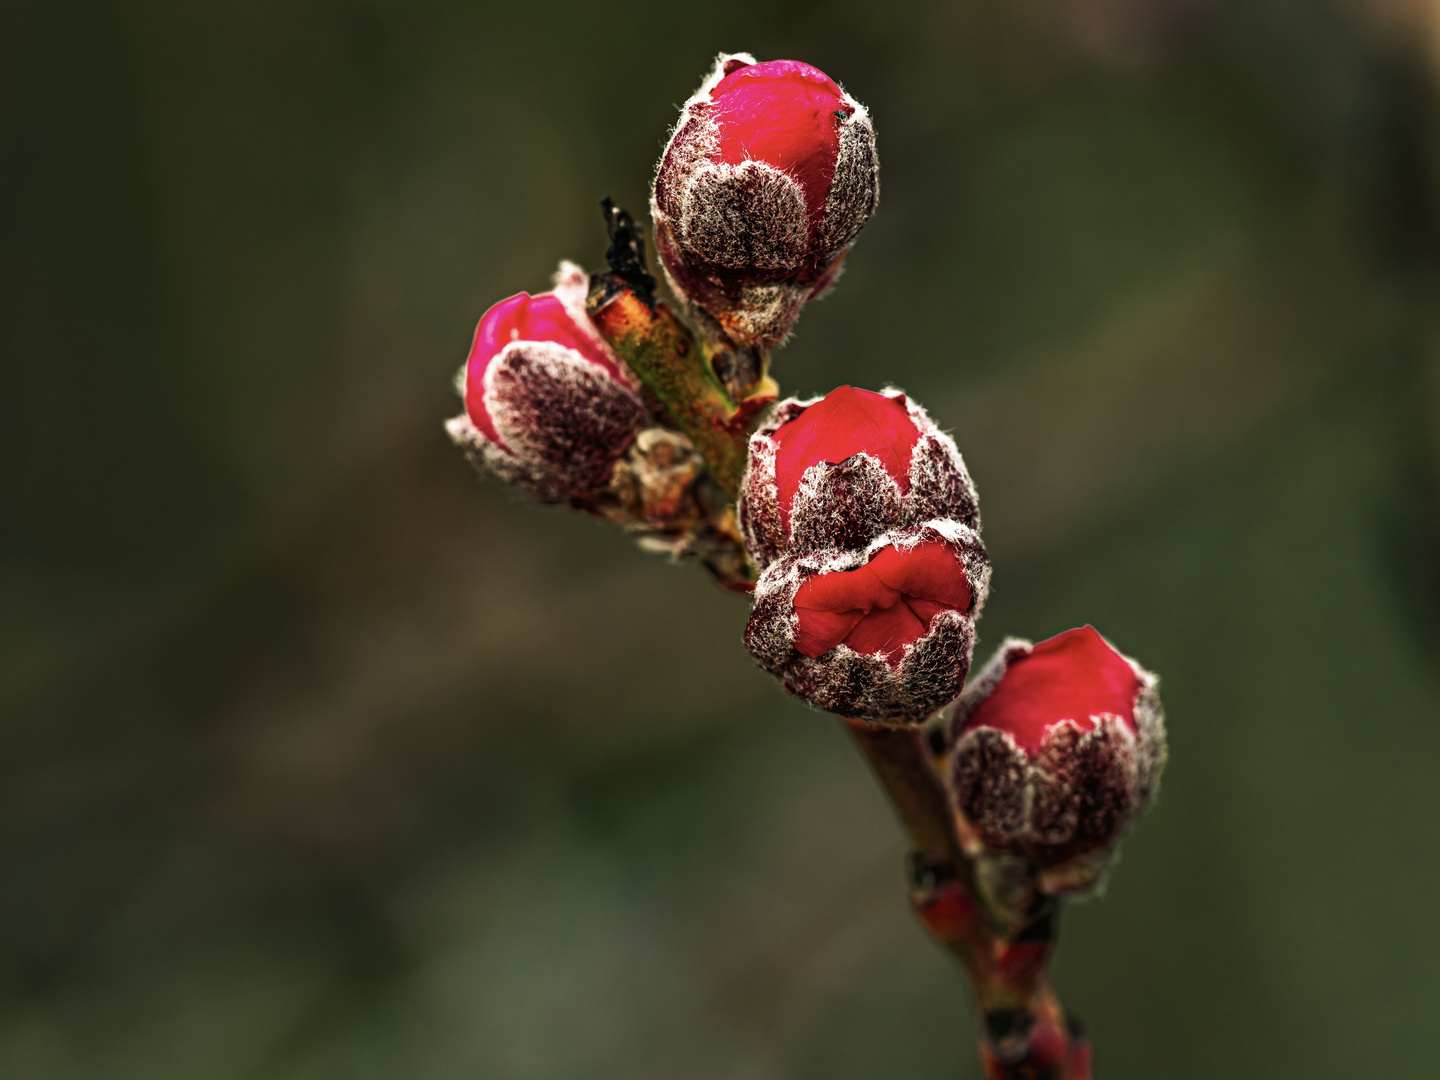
<point x="321" y="758"/>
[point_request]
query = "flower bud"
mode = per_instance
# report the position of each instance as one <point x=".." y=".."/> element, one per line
<point x="883" y="632"/>
<point x="548" y="406"/>
<point x="767" y="180"/>
<point x="1058" y="748"/>
<point x="838" y="471"/>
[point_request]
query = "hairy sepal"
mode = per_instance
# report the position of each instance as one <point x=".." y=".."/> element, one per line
<point x="562" y="422"/>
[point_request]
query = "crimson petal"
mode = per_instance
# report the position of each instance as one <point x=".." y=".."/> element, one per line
<point x="846" y="422"/>
<point x="886" y="630"/>
<point x="928" y="571"/>
<point x="1072" y="676"/>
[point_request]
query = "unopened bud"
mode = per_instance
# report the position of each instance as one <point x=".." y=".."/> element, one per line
<point x="548" y="405"/>
<point x="883" y="632"/>
<point x="836" y="472"/>
<point x="766" y="182"/>
<point x="1058" y="748"/>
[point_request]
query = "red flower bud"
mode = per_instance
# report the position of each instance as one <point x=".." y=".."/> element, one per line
<point x="548" y="406"/>
<point x="1058" y="749"/>
<point x="880" y="633"/>
<point x="766" y="182"/>
<point x="838" y="471"/>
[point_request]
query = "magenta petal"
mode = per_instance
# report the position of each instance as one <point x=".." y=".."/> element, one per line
<point x="786" y="114"/>
<point x="523" y="318"/>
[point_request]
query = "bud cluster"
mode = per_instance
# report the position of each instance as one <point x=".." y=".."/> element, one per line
<point x="597" y="395"/>
<point x="851" y="518"/>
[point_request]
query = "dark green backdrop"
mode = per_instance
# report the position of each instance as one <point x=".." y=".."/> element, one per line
<point x="319" y="758"/>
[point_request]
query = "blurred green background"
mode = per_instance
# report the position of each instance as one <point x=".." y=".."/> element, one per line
<point x="319" y="758"/>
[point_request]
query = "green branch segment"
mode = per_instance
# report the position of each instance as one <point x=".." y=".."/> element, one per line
<point x="678" y="371"/>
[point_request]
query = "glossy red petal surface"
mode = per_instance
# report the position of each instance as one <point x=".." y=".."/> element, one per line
<point x="925" y="610"/>
<point x="927" y="571"/>
<point x="886" y="630"/>
<point x="845" y="590"/>
<point x="819" y="631"/>
<point x="858" y="608"/>
<point x="843" y="423"/>
<point x="1072" y="676"/>
<point x="783" y="112"/>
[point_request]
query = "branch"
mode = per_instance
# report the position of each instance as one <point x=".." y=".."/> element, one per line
<point x="1025" y="1032"/>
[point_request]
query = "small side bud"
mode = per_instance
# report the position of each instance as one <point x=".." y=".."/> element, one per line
<point x="880" y="633"/>
<point x="656" y="480"/>
<point x="1057" y="748"/>
<point x="766" y="182"/>
<point x="549" y="408"/>
<point x="837" y="471"/>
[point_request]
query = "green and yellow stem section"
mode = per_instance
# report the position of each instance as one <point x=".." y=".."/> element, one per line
<point x="679" y="372"/>
<point x="1025" y="1032"/>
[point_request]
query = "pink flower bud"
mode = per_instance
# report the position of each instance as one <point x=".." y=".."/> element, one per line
<point x="1058" y="749"/>
<point x="838" y="471"/>
<point x="548" y="406"/>
<point x="767" y="180"/>
<point x="880" y="633"/>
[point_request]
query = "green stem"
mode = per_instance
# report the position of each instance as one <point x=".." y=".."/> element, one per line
<point x="677" y="370"/>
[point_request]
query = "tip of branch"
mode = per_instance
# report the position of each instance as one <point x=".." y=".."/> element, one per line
<point x="626" y="253"/>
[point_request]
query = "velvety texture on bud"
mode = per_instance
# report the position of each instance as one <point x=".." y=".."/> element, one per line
<point x="837" y="471"/>
<point x="548" y="406"/>
<point x="767" y="180"/>
<point x="1058" y="748"/>
<point x="883" y="632"/>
